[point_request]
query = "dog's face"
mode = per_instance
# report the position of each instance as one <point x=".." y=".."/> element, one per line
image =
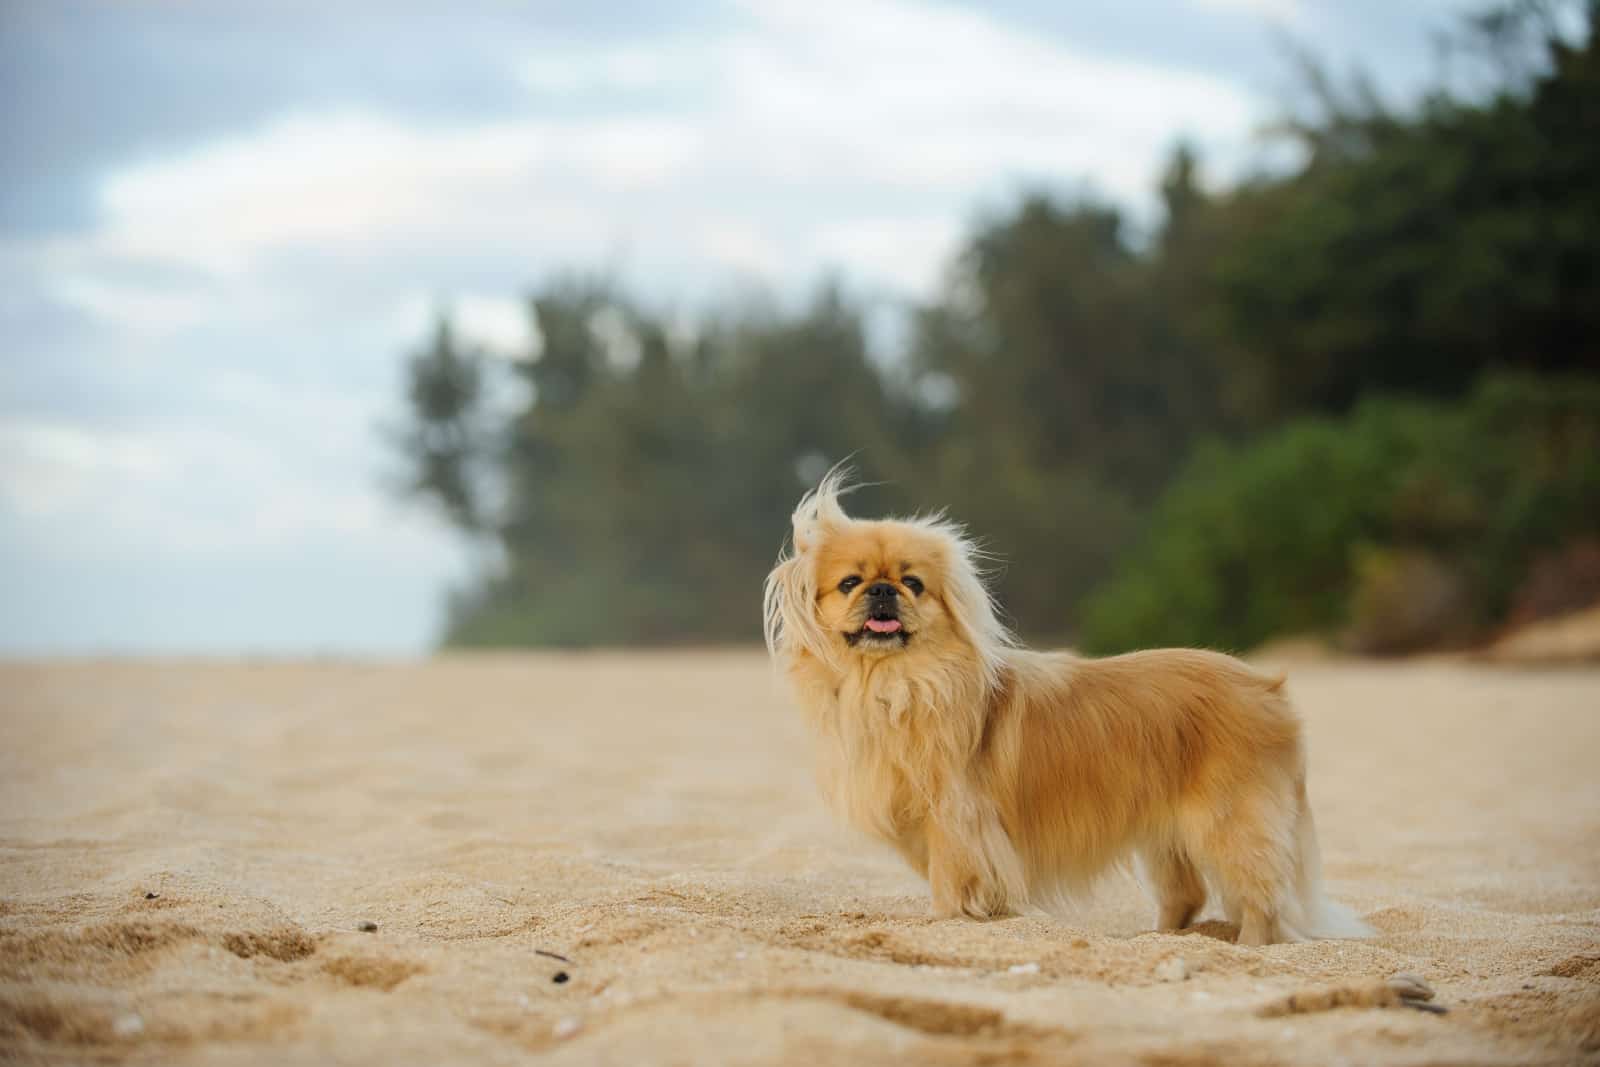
<point x="855" y="589"/>
<point x="880" y="587"/>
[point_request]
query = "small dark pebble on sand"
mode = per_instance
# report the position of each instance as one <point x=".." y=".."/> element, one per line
<point x="368" y="927"/>
<point x="560" y="977"/>
<point x="151" y="896"/>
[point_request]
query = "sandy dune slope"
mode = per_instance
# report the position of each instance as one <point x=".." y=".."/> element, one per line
<point x="188" y="853"/>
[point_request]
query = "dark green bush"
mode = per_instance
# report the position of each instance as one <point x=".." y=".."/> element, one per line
<point x="1268" y="538"/>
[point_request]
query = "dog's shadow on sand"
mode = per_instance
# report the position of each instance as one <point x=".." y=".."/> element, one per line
<point x="1220" y="929"/>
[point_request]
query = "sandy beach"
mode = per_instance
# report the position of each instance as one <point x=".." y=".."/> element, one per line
<point x="621" y="858"/>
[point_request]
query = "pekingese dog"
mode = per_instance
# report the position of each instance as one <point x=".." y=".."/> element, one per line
<point x="1006" y="776"/>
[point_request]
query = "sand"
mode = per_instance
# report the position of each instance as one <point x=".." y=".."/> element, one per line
<point x="191" y="850"/>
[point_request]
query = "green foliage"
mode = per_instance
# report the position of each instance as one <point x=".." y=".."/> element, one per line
<point x="1414" y="255"/>
<point x="1264" y="397"/>
<point x="1272" y="537"/>
<point x="1063" y="346"/>
<point x="648" y="485"/>
<point x="446" y="443"/>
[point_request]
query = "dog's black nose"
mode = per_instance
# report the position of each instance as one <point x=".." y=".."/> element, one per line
<point x="882" y="589"/>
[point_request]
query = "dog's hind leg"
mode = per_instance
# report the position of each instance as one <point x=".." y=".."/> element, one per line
<point x="1180" y="891"/>
<point x="1250" y="856"/>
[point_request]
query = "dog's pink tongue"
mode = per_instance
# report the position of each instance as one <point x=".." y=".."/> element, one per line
<point x="883" y="626"/>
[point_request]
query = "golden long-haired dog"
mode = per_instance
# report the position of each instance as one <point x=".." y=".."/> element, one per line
<point x="1005" y="776"/>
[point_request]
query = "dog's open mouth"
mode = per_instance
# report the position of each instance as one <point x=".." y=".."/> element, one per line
<point x="879" y="629"/>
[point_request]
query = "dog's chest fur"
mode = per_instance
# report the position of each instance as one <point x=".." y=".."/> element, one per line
<point x="892" y="734"/>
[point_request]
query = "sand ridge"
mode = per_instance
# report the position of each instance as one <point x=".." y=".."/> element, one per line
<point x="356" y="862"/>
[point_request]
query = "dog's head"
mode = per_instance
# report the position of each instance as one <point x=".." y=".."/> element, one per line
<point x="878" y="588"/>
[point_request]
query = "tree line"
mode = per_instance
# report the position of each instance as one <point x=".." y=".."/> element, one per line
<point x="1211" y="434"/>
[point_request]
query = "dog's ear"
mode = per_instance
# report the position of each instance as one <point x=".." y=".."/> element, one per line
<point x="789" y="610"/>
<point x="967" y="598"/>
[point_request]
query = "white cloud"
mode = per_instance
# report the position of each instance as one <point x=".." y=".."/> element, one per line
<point x="283" y="270"/>
<point x="1283" y="11"/>
<point x="49" y="467"/>
<point x="742" y="247"/>
<point x="570" y="73"/>
<point x="503" y="325"/>
<point x="147" y="311"/>
<point x="941" y="96"/>
<point x="875" y="99"/>
<point x="189" y="488"/>
<point x="334" y="180"/>
<point x="907" y="254"/>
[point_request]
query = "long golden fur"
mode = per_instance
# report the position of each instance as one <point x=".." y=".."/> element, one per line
<point x="1005" y="776"/>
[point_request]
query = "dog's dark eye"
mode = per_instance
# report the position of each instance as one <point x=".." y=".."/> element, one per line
<point x="913" y="584"/>
<point x="849" y="583"/>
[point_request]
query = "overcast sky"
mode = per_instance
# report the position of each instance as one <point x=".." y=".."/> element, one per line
<point x="222" y="225"/>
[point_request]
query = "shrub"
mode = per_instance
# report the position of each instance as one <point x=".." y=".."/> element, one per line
<point x="1269" y="537"/>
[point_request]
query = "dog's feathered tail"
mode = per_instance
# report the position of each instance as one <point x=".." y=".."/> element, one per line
<point x="1309" y="915"/>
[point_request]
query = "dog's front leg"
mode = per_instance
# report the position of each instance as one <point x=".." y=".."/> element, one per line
<point x="972" y="868"/>
<point x="950" y="876"/>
